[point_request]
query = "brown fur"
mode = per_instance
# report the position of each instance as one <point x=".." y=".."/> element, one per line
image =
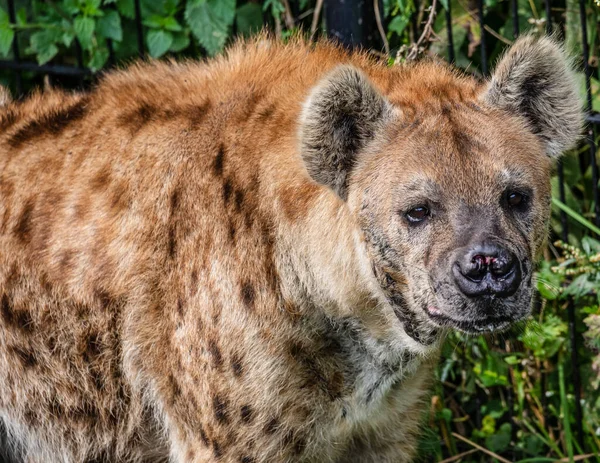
<point x="174" y="284"/>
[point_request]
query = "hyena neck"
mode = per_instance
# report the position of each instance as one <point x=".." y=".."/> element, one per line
<point x="334" y="287"/>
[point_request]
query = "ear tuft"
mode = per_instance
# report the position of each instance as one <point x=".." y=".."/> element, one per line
<point x="342" y="114"/>
<point x="535" y="79"/>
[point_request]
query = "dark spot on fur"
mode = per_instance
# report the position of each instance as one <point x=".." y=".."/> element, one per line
<point x="232" y="230"/>
<point x="23" y="227"/>
<point x="204" y="437"/>
<point x="239" y="200"/>
<point x="101" y="179"/>
<point x="220" y="409"/>
<point x="180" y="307"/>
<point x="65" y="263"/>
<point x="52" y="123"/>
<point x="215" y="352"/>
<point x="299" y="446"/>
<point x="266" y="112"/>
<point x="175" y="389"/>
<point x="136" y="119"/>
<point x="174" y="201"/>
<point x="219" y="162"/>
<point x="272" y="426"/>
<point x="172" y="245"/>
<point x="103" y="297"/>
<point x="227" y="190"/>
<point x="247" y="459"/>
<point x="20" y="319"/>
<point x="248" y="295"/>
<point x="7" y="310"/>
<point x="93" y="347"/>
<point x="217" y="450"/>
<point x="197" y="114"/>
<point x="236" y="365"/>
<point x="7" y="119"/>
<point x="246" y="413"/>
<point x="27" y="358"/>
<point x="31" y="417"/>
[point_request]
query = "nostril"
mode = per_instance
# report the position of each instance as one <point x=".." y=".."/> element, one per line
<point x="502" y="266"/>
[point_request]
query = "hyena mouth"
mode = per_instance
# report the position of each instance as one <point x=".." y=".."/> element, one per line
<point x="474" y="326"/>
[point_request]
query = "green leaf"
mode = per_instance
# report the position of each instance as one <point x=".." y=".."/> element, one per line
<point x="248" y="19"/>
<point x="398" y="24"/>
<point x="98" y="59"/>
<point x="109" y="26"/>
<point x="210" y="21"/>
<point x="84" y="30"/>
<point x="444" y="4"/>
<point x="126" y="8"/>
<point x="43" y="45"/>
<point x="159" y="42"/>
<point x="180" y="42"/>
<point x="500" y="441"/>
<point x="171" y="24"/>
<point x="170" y="6"/>
<point x="154" y="21"/>
<point x="7" y="34"/>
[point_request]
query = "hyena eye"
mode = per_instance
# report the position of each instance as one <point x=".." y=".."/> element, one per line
<point x="417" y="214"/>
<point x="516" y="200"/>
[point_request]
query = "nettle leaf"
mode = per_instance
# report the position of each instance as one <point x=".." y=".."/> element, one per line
<point x="43" y="45"/>
<point x="6" y="33"/>
<point x="210" y="21"/>
<point x="248" y="19"/>
<point x="398" y="24"/>
<point x="171" y="24"/>
<point x="159" y="42"/>
<point x="98" y="59"/>
<point x="180" y="42"/>
<point x="170" y="6"/>
<point x="84" y="30"/>
<point x="126" y="8"/>
<point x="109" y="26"/>
<point x="154" y="21"/>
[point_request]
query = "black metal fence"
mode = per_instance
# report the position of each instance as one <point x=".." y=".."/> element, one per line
<point x="341" y="18"/>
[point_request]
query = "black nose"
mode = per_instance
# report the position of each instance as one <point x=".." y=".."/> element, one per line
<point x="487" y="269"/>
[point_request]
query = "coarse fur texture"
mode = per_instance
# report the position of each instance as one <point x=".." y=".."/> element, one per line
<point x="213" y="262"/>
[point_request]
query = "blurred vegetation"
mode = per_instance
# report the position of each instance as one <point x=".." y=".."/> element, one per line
<point x="511" y="394"/>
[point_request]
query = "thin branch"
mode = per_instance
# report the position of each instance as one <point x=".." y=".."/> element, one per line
<point x="498" y="36"/>
<point x="427" y="31"/>
<point x="315" y="20"/>
<point x="459" y="456"/>
<point x="480" y="448"/>
<point x="288" y="17"/>
<point x="386" y="44"/>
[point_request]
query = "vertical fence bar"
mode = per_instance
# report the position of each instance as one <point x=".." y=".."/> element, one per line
<point x="79" y="55"/>
<point x="451" y="56"/>
<point x="484" y="65"/>
<point x="12" y="17"/>
<point x="548" y="8"/>
<point x="514" y="7"/>
<point x="139" y="29"/>
<point x="588" y="90"/>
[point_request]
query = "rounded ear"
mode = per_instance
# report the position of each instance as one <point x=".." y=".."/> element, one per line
<point x="342" y="114"/>
<point x="535" y="79"/>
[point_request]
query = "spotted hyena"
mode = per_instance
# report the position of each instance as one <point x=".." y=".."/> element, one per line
<point x="255" y="259"/>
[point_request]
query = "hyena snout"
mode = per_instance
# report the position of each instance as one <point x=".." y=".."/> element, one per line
<point x="486" y="269"/>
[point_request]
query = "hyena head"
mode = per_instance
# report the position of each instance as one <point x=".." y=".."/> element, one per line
<point x="448" y="178"/>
